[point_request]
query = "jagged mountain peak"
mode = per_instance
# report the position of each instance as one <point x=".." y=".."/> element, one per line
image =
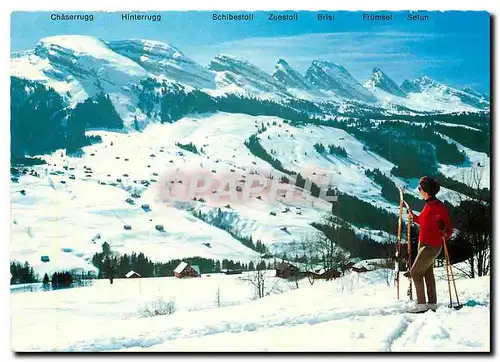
<point x="325" y="65"/>
<point x="382" y="81"/>
<point x="153" y="46"/>
<point x="426" y="81"/>
<point x="74" y="46"/>
<point x="230" y="59"/>
<point x="473" y="92"/>
<point x="409" y="87"/>
<point x="333" y="77"/>
<point x="442" y="93"/>
<point x="80" y="66"/>
<point x="163" y="59"/>
<point x="225" y="62"/>
<point x="87" y="51"/>
<point x="283" y="62"/>
<point x="285" y="74"/>
<point x="235" y="72"/>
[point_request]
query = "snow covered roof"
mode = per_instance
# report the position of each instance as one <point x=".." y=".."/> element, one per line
<point x="180" y="267"/>
<point x="319" y="271"/>
<point x="130" y="273"/>
<point x="370" y="264"/>
<point x="183" y="266"/>
<point x="196" y="269"/>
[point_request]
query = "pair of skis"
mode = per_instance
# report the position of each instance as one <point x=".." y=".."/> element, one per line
<point x="398" y="244"/>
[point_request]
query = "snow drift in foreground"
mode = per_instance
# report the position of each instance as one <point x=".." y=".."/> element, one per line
<point x="357" y="312"/>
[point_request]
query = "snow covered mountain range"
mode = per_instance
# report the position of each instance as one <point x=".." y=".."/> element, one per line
<point x="80" y="66"/>
<point x="230" y="118"/>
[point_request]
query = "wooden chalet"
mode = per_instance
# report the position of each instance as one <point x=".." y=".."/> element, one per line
<point x="286" y="270"/>
<point x="184" y="270"/>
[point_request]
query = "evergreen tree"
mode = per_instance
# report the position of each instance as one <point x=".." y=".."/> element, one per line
<point x="336" y="150"/>
<point x="136" y="124"/>
<point x="106" y="249"/>
<point x="97" y="112"/>
<point x="319" y="148"/>
<point x="46" y="281"/>
<point x="109" y="267"/>
<point x="36" y="119"/>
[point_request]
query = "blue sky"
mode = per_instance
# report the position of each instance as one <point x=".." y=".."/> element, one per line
<point x="452" y="47"/>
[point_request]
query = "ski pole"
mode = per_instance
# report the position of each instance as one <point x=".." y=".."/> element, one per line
<point x="448" y="264"/>
<point x="447" y="271"/>
<point x="408" y="232"/>
<point x="398" y="245"/>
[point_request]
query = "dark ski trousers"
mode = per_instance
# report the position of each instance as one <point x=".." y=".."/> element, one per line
<point x="423" y="268"/>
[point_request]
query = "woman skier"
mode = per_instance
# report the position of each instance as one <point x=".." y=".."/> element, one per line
<point x="435" y="223"/>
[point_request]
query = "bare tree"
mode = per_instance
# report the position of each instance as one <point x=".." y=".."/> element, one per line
<point x="109" y="262"/>
<point x="310" y="255"/>
<point x="295" y="280"/>
<point x="257" y="278"/>
<point x="385" y="269"/>
<point x="330" y="255"/>
<point x="217" y="297"/>
<point x="474" y="224"/>
<point x="158" y="307"/>
<point x="320" y="252"/>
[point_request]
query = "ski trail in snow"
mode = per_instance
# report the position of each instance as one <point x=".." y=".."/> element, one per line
<point x="149" y="338"/>
<point x="398" y="332"/>
<point x="425" y="326"/>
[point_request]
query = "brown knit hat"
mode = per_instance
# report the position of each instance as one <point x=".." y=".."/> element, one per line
<point x="429" y="185"/>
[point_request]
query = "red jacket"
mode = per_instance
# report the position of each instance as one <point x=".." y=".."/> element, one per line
<point x="429" y="220"/>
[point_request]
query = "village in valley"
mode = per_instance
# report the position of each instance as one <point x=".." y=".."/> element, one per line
<point x="283" y="269"/>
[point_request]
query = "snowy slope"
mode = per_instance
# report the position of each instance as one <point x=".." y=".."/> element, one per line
<point x="164" y="60"/>
<point x="434" y="95"/>
<point x="222" y="138"/>
<point x="63" y="214"/>
<point x="64" y="209"/>
<point x="30" y="66"/>
<point x="464" y="172"/>
<point x="295" y="149"/>
<point x="357" y="312"/>
<point x="88" y="67"/>
<point x="77" y="198"/>
<point x="234" y="74"/>
<point x="424" y="94"/>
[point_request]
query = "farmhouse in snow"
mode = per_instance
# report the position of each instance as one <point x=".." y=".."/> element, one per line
<point x="184" y="270"/>
<point x="231" y="271"/>
<point x="327" y="274"/>
<point x="361" y="269"/>
<point x="286" y="270"/>
<point x="132" y="274"/>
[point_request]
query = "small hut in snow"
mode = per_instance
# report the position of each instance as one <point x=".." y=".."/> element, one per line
<point x="184" y="270"/>
<point x="286" y="270"/>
